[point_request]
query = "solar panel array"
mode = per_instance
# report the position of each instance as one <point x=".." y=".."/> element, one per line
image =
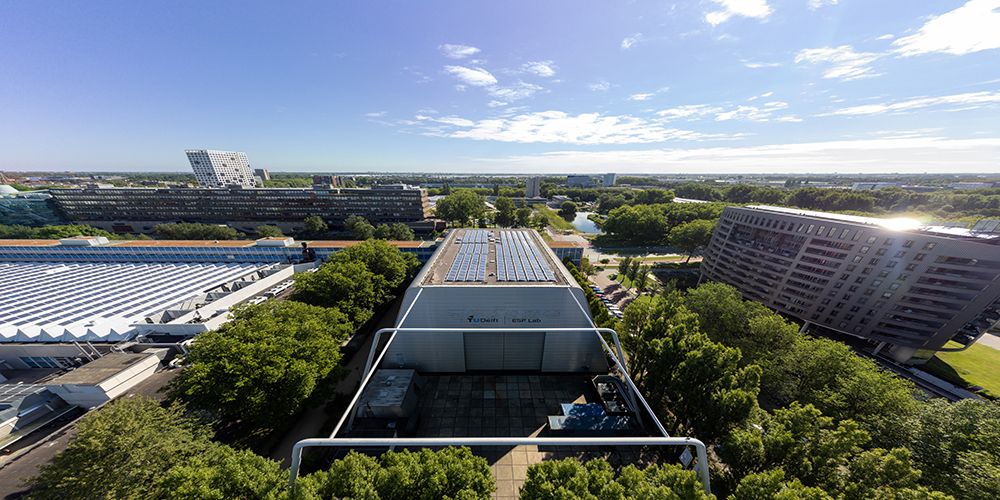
<point x="519" y="259"/>
<point x="473" y="253"/>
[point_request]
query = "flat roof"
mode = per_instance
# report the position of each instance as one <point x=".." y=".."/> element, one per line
<point x="100" y="369"/>
<point x="29" y="243"/>
<point x="894" y="224"/>
<point x="184" y="243"/>
<point x="348" y="243"/>
<point x="505" y="257"/>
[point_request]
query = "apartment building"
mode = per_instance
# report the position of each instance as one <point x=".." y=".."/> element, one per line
<point x="139" y="209"/>
<point x="910" y="287"/>
<point x="219" y="169"/>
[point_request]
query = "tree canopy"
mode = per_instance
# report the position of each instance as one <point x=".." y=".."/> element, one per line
<point x="359" y="227"/>
<point x="265" y="231"/>
<point x="690" y="237"/>
<point x="135" y="449"/>
<point x="596" y="480"/>
<point x="259" y="369"/>
<point x="462" y="207"/>
<point x="451" y="473"/>
<point x="505" y="212"/>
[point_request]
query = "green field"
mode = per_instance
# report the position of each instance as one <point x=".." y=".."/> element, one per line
<point x="977" y="365"/>
<point x="555" y="220"/>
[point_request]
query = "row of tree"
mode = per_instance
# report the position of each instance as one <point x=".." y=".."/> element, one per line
<point x="258" y="370"/>
<point x="840" y="427"/>
<point x="361" y="229"/>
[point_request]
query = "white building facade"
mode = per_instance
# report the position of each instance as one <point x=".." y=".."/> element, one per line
<point x="217" y="169"/>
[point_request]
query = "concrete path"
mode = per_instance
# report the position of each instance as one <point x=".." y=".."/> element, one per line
<point x="990" y="340"/>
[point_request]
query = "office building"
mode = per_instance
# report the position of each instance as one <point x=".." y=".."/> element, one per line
<point x="533" y="187"/>
<point x="610" y="180"/>
<point x="911" y="288"/>
<point x="580" y="181"/>
<point x="262" y="173"/>
<point x="326" y="181"/>
<point x="28" y="209"/>
<point x="219" y="169"/>
<point x="140" y="209"/>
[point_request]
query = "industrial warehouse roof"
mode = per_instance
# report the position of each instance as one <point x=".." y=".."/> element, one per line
<point x="494" y="257"/>
<point x="68" y="301"/>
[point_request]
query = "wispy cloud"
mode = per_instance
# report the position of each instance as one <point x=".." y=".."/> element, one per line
<point x="601" y="86"/>
<point x="629" y="41"/>
<point x="456" y="51"/>
<point x="970" y="28"/>
<point x="969" y="100"/>
<point x="919" y="154"/>
<point x="561" y="127"/>
<point x="843" y="62"/>
<point x="642" y="96"/>
<point x="887" y="36"/>
<point x="815" y="4"/>
<point x="376" y="114"/>
<point x="477" y="77"/>
<point x="515" y="92"/>
<point x="755" y="9"/>
<point x="540" y="68"/>
<point x="758" y="65"/>
<point x="769" y="111"/>
<point x="761" y="96"/>
<point x="688" y="111"/>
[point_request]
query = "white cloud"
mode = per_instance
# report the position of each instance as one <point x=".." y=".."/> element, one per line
<point x="455" y="51"/>
<point x="477" y="77"/>
<point x="642" y="96"/>
<point x="540" y="68"/>
<point x="756" y="9"/>
<point x="758" y="65"/>
<point x="375" y="114"/>
<point x="600" y="86"/>
<point x="688" y="111"/>
<point x="815" y="4"/>
<point x="967" y="100"/>
<point x="970" y="28"/>
<point x="516" y="92"/>
<point x="561" y="127"/>
<point x="916" y="155"/>
<point x="496" y="104"/>
<point x="763" y="113"/>
<point x="721" y="113"/>
<point x="762" y="96"/>
<point x="631" y="40"/>
<point x="887" y="36"/>
<point x="844" y="63"/>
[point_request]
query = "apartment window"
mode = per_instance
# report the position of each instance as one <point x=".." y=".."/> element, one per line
<point x="857" y="258"/>
<point x="869" y="291"/>
<point x="908" y="244"/>
<point x="900" y="254"/>
<point x="843" y="277"/>
<point x="842" y="324"/>
<point x="855" y="309"/>
<point x="811" y="227"/>
<point x="876" y="282"/>
<point x="887" y="295"/>
<point x="911" y="267"/>
<point x="844" y="233"/>
<point x="874" y="261"/>
<point x="930" y="246"/>
<point x="824" y="301"/>
<point x="862" y="300"/>
<point x="865" y="249"/>
<point x="839" y="284"/>
<point x="820" y="309"/>
<point x="851" y="267"/>
<point x="889" y="241"/>
<point x="880" y="251"/>
<point x="866" y="270"/>
<point x="883" y="274"/>
<point x="863" y="321"/>
<point x="859" y="280"/>
<point x="894" y="286"/>
<point x="920" y="256"/>
<point x="853" y="288"/>
<point x="871" y="240"/>
<point x="891" y="264"/>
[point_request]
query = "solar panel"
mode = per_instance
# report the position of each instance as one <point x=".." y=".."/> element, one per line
<point x="471" y="257"/>
<point x="520" y="259"/>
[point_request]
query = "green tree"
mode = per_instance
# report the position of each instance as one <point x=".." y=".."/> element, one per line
<point x="957" y="446"/>
<point x="505" y="212"/>
<point x="56" y="232"/>
<point x="624" y="264"/>
<point x="691" y="237"/>
<point x="401" y="232"/>
<point x="315" y="225"/>
<point x="567" y="210"/>
<point x="120" y="451"/>
<point x="265" y="231"/>
<point x="462" y="207"/>
<point x="642" y="278"/>
<point x="383" y="232"/>
<point x="257" y="370"/>
<point x="698" y="191"/>
<point x="453" y="473"/>
<point x="633" y="268"/>
<point x="360" y="228"/>
<point x="222" y="473"/>
<point x="772" y="485"/>
<point x="523" y="217"/>
<point x="349" y="287"/>
<point x="596" y="480"/>
<point x="193" y="231"/>
<point x="683" y="373"/>
<point x="382" y="259"/>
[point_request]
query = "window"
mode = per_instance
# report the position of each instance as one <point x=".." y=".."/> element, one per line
<point x="920" y="256"/>
<point x="872" y="240"/>
<point x="857" y="258"/>
<point x="900" y="254"/>
<point x="930" y="246"/>
<point x="887" y="295"/>
<point x="865" y="249"/>
<point x="910" y="267"/>
<point x="883" y="274"/>
<point x="876" y="282"/>
<point x="880" y="251"/>
<point x="908" y="244"/>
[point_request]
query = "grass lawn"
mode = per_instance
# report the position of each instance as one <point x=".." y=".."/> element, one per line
<point x="555" y="220"/>
<point x="977" y="365"/>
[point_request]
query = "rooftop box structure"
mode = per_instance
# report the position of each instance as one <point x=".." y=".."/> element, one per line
<point x="486" y="278"/>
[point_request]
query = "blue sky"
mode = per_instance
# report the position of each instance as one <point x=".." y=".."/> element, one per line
<point x="713" y="86"/>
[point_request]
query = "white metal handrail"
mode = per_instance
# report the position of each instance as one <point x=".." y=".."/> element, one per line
<point x="701" y="454"/>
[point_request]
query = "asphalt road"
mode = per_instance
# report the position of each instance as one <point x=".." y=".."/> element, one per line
<point x="23" y="465"/>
